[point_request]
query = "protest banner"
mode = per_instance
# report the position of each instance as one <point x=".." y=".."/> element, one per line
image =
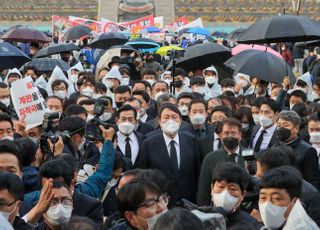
<point x="28" y="102"/>
<point x="110" y="26"/>
<point x="139" y="24"/>
<point x="96" y="26"/>
<point x="158" y="22"/>
<point x="179" y="23"/>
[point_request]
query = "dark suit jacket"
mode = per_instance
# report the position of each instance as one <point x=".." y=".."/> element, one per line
<point x="155" y="155"/>
<point x="144" y="128"/>
<point x="206" y="145"/>
<point x="140" y="138"/>
<point x="188" y="127"/>
<point x="208" y="165"/>
<point x="273" y="141"/>
<point x="87" y="206"/>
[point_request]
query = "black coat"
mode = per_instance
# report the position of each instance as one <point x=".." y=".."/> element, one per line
<point x="273" y="141"/>
<point x="87" y="206"/>
<point x="19" y="224"/>
<point x="155" y="155"/>
<point x="188" y="127"/>
<point x="144" y="128"/>
<point x="239" y="219"/>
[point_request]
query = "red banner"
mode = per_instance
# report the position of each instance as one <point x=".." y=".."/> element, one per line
<point x="139" y="24"/>
<point x="179" y="23"/>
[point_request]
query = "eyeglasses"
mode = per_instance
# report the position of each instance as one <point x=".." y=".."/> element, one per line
<point x="152" y="204"/>
<point x="3" y="205"/>
<point x="65" y="201"/>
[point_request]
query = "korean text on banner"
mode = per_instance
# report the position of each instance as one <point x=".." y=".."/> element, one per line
<point x="139" y="24"/>
<point x="28" y="101"/>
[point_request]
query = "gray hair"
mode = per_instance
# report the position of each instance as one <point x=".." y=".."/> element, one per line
<point x="290" y="116"/>
<point x="164" y="98"/>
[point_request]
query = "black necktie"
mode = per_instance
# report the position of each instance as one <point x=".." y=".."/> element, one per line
<point x="259" y="141"/>
<point x="173" y="155"/>
<point x="199" y="133"/>
<point x="128" y="148"/>
<point x="219" y="146"/>
<point x="232" y="157"/>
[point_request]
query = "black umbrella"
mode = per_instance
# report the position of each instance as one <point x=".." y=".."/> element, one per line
<point x="106" y="40"/>
<point x="124" y="48"/>
<point x="308" y="44"/>
<point x="284" y="28"/>
<point x="56" y="49"/>
<point x="264" y="65"/>
<point x="76" y="32"/>
<point x="48" y="64"/>
<point x="25" y="35"/>
<point x="203" y="55"/>
<point x="11" y="56"/>
<point x="234" y="35"/>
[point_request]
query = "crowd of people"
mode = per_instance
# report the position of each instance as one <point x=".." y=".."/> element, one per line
<point x="136" y="147"/>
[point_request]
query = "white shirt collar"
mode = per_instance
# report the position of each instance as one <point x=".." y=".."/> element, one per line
<point x="237" y="151"/>
<point x="168" y="139"/>
<point x="271" y="129"/>
<point x="122" y="137"/>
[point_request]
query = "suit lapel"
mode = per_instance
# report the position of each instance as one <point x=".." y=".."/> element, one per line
<point x="254" y="132"/>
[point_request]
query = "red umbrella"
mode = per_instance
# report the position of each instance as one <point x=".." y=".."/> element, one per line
<point x="243" y="47"/>
<point x="26" y="35"/>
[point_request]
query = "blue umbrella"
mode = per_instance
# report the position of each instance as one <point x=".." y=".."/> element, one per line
<point x="152" y="29"/>
<point x="144" y="44"/>
<point x="202" y="31"/>
<point x="11" y="56"/>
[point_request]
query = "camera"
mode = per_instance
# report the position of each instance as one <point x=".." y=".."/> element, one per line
<point x="92" y="131"/>
<point x="174" y="54"/>
<point x="49" y="132"/>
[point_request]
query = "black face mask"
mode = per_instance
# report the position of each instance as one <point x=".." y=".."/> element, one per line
<point x="230" y="142"/>
<point x="178" y="84"/>
<point x="283" y="134"/>
<point x="119" y="104"/>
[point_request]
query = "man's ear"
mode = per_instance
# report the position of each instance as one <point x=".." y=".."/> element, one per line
<point x="130" y="217"/>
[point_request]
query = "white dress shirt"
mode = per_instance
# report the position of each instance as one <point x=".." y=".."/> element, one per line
<point x="144" y="118"/>
<point x="216" y="142"/>
<point x="266" y="137"/>
<point x="177" y="145"/>
<point x="134" y="144"/>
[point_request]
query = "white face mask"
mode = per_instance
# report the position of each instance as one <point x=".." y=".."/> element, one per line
<point x="198" y="119"/>
<point x="107" y="82"/>
<point x="152" y="220"/>
<point x="211" y="80"/>
<point x="314" y="95"/>
<point x="90" y="117"/>
<point x="5" y="101"/>
<point x="157" y="95"/>
<point x="314" y="137"/>
<point x="199" y="89"/>
<point x="59" y="214"/>
<point x="61" y="94"/>
<point x="105" y="116"/>
<point x="272" y="215"/>
<point x="224" y="200"/>
<point x="96" y="96"/>
<point x="33" y="139"/>
<point x="126" y="128"/>
<point x="151" y="82"/>
<point x="74" y="78"/>
<point x="245" y="126"/>
<point x="87" y="91"/>
<point x="243" y="83"/>
<point x="7" y="214"/>
<point x="184" y="110"/>
<point x="256" y="118"/>
<point x="10" y="138"/>
<point x="168" y="81"/>
<point x="125" y="81"/>
<point x="265" y="121"/>
<point x="170" y="127"/>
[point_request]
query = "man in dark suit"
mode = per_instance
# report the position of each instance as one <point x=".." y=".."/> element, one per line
<point x="174" y="153"/>
<point x="260" y="89"/>
<point x="144" y="97"/>
<point x="263" y="135"/>
<point x="212" y="141"/>
<point x="128" y="140"/>
<point x="232" y="152"/>
<point x="198" y="116"/>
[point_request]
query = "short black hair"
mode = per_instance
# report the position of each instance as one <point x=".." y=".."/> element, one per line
<point x="231" y="173"/>
<point x="272" y="158"/>
<point x="122" y="89"/>
<point x="143" y="94"/>
<point x="126" y="108"/>
<point x="227" y="83"/>
<point x="244" y="111"/>
<point x="197" y="81"/>
<point x="9" y="147"/>
<point x="156" y="176"/>
<point x="148" y="72"/>
<point x="57" y="168"/>
<point x="87" y="77"/>
<point x="132" y="194"/>
<point x="282" y="179"/>
<point x="179" y="71"/>
<point x="184" y="95"/>
<point x="80" y="223"/>
<point x="12" y="183"/>
<point x="27" y="149"/>
<point x="271" y="103"/>
<point x="171" y="107"/>
<point x="131" y="99"/>
<point x="178" y="219"/>
<point x="70" y="160"/>
<point x="58" y="82"/>
<point x="140" y="82"/>
<point x="73" y="124"/>
<point x="3" y="85"/>
<point x="87" y="102"/>
<point x="316" y="81"/>
<point x="301" y="83"/>
<point x="6" y="117"/>
<point x="223" y="109"/>
<point x="299" y="93"/>
<point x="198" y="101"/>
<point x="231" y="122"/>
<point x="101" y="87"/>
<point x="257" y="102"/>
<point x="73" y="110"/>
<point x="35" y="70"/>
